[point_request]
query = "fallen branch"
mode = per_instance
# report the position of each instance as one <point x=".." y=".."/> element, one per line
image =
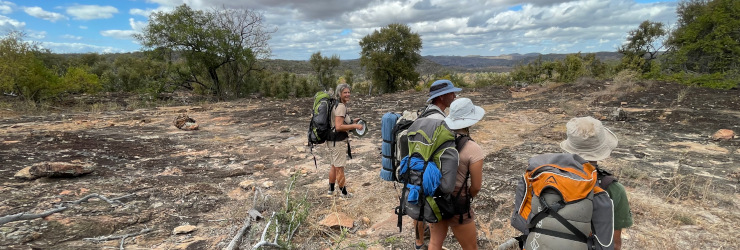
<point x="252" y="214"/>
<point x="263" y="242"/>
<point x="511" y="243"/>
<point x="60" y="207"/>
<point x="115" y="237"/>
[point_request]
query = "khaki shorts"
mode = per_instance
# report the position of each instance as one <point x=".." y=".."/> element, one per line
<point x="336" y="152"/>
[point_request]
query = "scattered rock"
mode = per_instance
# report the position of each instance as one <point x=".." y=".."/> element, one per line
<point x="25" y="174"/>
<point x="184" y="229"/>
<point x="57" y="169"/>
<point x="246" y="184"/>
<point x="267" y="184"/>
<point x="182" y="121"/>
<point x="284" y="129"/>
<point x="555" y="110"/>
<point x="337" y="220"/>
<point x="259" y="167"/>
<point x="194" y="243"/>
<point x="723" y="135"/>
<point x="366" y="221"/>
<point x="619" y="114"/>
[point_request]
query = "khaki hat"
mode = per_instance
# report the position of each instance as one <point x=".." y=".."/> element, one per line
<point x="588" y="138"/>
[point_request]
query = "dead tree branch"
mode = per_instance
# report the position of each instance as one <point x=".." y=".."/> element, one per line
<point x="264" y="242"/>
<point x="59" y="207"/>
<point x="122" y="237"/>
<point x="252" y="214"/>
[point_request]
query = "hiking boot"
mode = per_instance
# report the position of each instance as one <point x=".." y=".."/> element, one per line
<point x="347" y="196"/>
<point x="331" y="192"/>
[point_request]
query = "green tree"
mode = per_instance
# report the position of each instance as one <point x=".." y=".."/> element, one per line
<point x="642" y="47"/>
<point x="390" y="57"/>
<point x="23" y="73"/>
<point x="208" y="41"/>
<point x="706" y="39"/>
<point x="78" y="79"/>
<point x="324" y="69"/>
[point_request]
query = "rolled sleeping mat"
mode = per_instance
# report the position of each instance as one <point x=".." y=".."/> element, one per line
<point x="386" y="129"/>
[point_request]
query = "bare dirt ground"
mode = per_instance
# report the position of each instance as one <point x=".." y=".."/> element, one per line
<point x="682" y="186"/>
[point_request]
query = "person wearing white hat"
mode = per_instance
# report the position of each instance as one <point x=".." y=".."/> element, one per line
<point x="463" y="115"/>
<point x="588" y="138"/>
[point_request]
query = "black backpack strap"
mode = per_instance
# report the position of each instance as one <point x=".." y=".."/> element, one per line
<point x="349" y="151"/>
<point x="553" y="211"/>
<point x="605" y="177"/>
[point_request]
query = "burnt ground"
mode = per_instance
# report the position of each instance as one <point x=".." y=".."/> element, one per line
<point x="683" y="186"/>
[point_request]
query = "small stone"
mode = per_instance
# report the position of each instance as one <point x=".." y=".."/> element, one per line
<point x="366" y="221"/>
<point x="246" y="184"/>
<point x="267" y="184"/>
<point x="259" y="167"/>
<point x="723" y="135"/>
<point x="184" y="229"/>
<point x="25" y="174"/>
<point x="336" y="220"/>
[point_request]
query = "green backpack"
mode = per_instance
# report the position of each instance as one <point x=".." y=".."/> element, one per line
<point x="429" y="172"/>
<point x="320" y="129"/>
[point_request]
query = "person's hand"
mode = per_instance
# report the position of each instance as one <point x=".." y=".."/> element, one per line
<point x="358" y="126"/>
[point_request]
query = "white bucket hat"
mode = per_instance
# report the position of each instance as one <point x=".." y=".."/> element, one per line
<point x="463" y="114"/>
<point x="589" y="139"/>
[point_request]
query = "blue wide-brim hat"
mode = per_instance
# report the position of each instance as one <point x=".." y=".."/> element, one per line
<point x="441" y="87"/>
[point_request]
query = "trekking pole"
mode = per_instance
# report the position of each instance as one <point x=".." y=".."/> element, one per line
<point x="512" y="242"/>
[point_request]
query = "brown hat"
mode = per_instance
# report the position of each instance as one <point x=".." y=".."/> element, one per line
<point x="589" y="139"/>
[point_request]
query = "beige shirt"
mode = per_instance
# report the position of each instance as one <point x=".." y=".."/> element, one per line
<point x="469" y="154"/>
<point x="340" y="110"/>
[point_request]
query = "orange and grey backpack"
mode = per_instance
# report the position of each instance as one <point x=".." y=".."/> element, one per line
<point x="559" y="205"/>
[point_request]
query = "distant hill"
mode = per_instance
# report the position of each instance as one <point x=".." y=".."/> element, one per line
<point x="502" y="63"/>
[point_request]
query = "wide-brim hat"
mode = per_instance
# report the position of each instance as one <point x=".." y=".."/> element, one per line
<point x="588" y="138"/>
<point x="441" y="87"/>
<point x="463" y="114"/>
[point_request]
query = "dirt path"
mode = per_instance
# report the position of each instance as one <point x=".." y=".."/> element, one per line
<point x="681" y="183"/>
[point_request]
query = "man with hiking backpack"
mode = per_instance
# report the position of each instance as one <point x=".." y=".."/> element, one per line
<point x="588" y="138"/>
<point x="441" y="95"/>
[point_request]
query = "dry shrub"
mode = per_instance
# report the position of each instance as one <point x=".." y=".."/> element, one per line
<point x="626" y="78"/>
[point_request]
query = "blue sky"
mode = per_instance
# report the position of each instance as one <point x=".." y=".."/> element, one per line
<point x="335" y="27"/>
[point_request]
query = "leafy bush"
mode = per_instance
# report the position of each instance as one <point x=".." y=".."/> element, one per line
<point x="493" y="78"/>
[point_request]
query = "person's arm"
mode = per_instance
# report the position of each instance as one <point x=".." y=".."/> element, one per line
<point x="476" y="177"/>
<point x="341" y="127"/>
<point x="618" y="239"/>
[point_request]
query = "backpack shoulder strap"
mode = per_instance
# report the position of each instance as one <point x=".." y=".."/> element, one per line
<point x="427" y="112"/>
<point x="460" y="140"/>
<point x="605" y="178"/>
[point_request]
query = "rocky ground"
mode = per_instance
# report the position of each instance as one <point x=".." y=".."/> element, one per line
<point x="682" y="184"/>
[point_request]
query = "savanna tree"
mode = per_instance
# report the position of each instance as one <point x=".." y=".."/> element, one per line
<point x="390" y="57"/>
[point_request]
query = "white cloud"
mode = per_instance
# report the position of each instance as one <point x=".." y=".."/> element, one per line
<point x="90" y="12"/>
<point x="7" y="23"/>
<point x="118" y="34"/>
<point x="6" y="7"/>
<point x="136" y="27"/>
<point x="78" y="48"/>
<point x="72" y="37"/>
<point x="83" y="27"/>
<point x="38" y="12"/>
<point x="36" y="34"/>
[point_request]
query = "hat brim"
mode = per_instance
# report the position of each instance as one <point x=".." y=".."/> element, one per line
<point x="596" y="153"/>
<point x="468" y="121"/>
<point x="447" y="91"/>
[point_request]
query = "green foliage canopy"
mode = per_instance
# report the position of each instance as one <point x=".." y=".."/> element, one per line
<point x="390" y="57"/>
<point x="324" y="69"/>
<point x="643" y="45"/>
<point x="23" y="73"/>
<point x="706" y="39"/>
<point x="207" y="41"/>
